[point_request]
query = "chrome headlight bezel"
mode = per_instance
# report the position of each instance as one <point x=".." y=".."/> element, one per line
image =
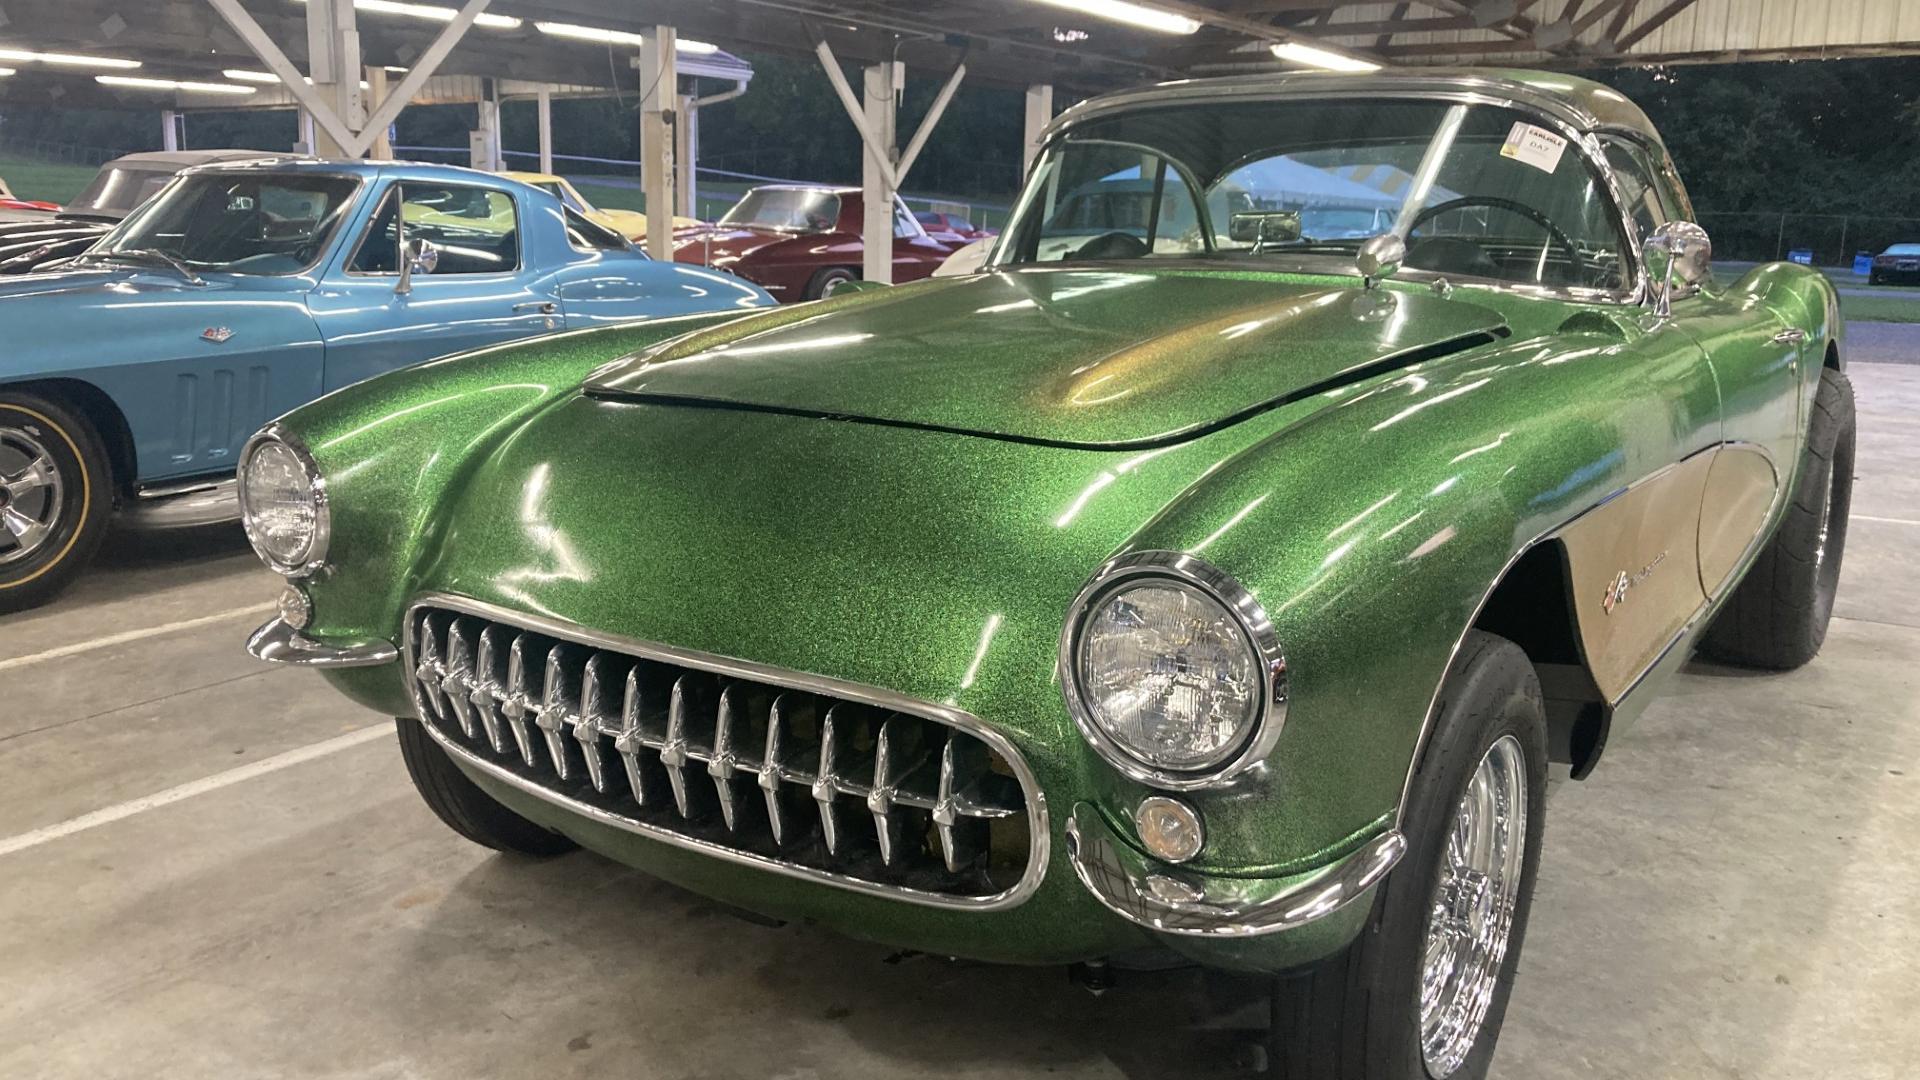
<point x="1196" y="574"/>
<point x="314" y="556"/>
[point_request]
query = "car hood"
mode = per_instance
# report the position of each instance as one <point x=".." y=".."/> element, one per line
<point x="82" y="286"/>
<point x="1097" y="358"/>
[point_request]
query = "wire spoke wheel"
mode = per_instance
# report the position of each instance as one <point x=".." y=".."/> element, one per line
<point x="1471" y="920"/>
<point x="31" y="495"/>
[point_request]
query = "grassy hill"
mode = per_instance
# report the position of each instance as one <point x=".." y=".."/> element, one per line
<point x="38" y="180"/>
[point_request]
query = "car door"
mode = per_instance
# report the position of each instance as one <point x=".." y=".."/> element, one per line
<point x="483" y="290"/>
<point x="1757" y="360"/>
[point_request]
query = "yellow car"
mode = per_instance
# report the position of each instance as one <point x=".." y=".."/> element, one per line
<point x="631" y="224"/>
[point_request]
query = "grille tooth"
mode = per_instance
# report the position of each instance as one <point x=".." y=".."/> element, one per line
<point x="674" y="754"/>
<point x="595" y="702"/>
<point x="488" y="682"/>
<point x="534" y="705"/>
<point x="725" y="764"/>
<point x="458" y="679"/>
<point x="527" y="655"/>
<point x="824" y="782"/>
<point x="630" y="743"/>
<point x="774" y="773"/>
<point x="430" y="670"/>
<point x="962" y="763"/>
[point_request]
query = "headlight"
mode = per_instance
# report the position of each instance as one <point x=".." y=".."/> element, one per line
<point x="1172" y="672"/>
<point x="283" y="503"/>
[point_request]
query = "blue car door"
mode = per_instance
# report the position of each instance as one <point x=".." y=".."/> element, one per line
<point x="482" y="286"/>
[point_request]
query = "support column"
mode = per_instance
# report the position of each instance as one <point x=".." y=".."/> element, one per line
<point x="382" y="147"/>
<point x="661" y="79"/>
<point x="877" y="185"/>
<point x="306" y="144"/>
<point x="333" y="52"/>
<point x="1039" y="114"/>
<point x="543" y="108"/>
<point x="685" y="149"/>
<point x="169" y="130"/>
<point x="483" y="142"/>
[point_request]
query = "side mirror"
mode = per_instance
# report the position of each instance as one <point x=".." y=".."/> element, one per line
<point x="1678" y="259"/>
<point x="1262" y="227"/>
<point x="417" y="256"/>
<point x="1381" y="257"/>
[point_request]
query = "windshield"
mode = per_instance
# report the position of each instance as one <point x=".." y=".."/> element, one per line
<point x="242" y="223"/>
<point x="785" y="208"/>
<point x="1477" y="191"/>
<point x="116" y="190"/>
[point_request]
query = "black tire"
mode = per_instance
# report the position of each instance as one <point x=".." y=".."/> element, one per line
<point x="1777" y="617"/>
<point x="460" y="803"/>
<point x="1873" y="279"/>
<point x="61" y="521"/>
<point x="1359" y="1014"/>
<point x="823" y="280"/>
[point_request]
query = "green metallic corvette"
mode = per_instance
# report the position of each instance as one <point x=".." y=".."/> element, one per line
<point x="1207" y="574"/>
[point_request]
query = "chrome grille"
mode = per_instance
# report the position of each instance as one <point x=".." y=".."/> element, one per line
<point x="803" y="775"/>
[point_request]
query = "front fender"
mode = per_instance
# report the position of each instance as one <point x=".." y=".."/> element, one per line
<point x="392" y="447"/>
<point x="1372" y="533"/>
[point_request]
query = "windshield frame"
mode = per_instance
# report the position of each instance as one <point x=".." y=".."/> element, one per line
<point x="348" y="209"/>
<point x="1585" y="142"/>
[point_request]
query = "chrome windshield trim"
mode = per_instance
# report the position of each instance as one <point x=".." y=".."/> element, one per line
<point x="1569" y="121"/>
<point x="278" y="643"/>
<point x="1039" y="829"/>
<point x="1179" y="902"/>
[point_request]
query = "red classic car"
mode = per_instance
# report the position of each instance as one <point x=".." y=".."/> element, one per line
<point x="797" y="241"/>
<point x="940" y="225"/>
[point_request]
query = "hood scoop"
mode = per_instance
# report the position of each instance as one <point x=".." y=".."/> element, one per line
<point x="1096" y="359"/>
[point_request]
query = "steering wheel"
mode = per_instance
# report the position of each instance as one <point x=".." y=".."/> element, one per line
<point x="1112" y="245"/>
<point x="1559" y="236"/>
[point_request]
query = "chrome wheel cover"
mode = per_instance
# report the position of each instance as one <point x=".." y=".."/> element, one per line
<point x="31" y="493"/>
<point x="1471" y="919"/>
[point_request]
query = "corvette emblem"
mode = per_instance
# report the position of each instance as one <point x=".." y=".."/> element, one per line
<point x="1617" y="589"/>
<point x="216" y="334"/>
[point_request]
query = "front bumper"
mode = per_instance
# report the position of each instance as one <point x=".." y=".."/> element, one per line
<point x="1091" y="893"/>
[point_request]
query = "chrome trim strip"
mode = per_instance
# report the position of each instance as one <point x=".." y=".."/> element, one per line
<point x="1179" y="902"/>
<point x="316" y="556"/>
<point x="1036" y="801"/>
<point x="1254" y="622"/>
<point x="184" y="507"/>
<point x="278" y="643"/>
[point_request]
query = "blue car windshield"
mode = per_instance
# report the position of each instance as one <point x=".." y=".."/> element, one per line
<point x="239" y="223"/>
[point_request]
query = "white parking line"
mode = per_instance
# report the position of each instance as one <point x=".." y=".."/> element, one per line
<point x="196" y="787"/>
<point x="132" y="635"/>
<point x="1887" y="521"/>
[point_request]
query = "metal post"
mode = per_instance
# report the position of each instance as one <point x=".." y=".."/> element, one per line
<point x="1039" y="114"/>
<point x="1846" y="260"/>
<point x="686" y="142"/>
<point x="543" y="106"/>
<point x="877" y="183"/>
<point x="661" y="85"/>
<point x="169" y="130"/>
<point x="1780" y="241"/>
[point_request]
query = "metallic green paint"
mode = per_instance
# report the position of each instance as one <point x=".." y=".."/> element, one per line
<point x="1371" y="517"/>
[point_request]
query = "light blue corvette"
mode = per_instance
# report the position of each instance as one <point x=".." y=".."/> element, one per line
<point x="131" y="376"/>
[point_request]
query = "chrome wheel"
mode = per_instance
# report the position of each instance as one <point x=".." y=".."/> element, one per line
<point x="1471" y="921"/>
<point x="31" y="493"/>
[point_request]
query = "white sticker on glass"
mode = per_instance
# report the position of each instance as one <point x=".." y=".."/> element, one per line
<point x="1536" y="146"/>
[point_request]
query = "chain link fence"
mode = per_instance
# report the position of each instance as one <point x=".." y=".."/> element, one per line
<point x="1819" y="239"/>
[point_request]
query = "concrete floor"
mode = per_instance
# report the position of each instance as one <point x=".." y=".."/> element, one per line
<point x="1734" y="895"/>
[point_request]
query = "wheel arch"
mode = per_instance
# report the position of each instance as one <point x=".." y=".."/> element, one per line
<point x="100" y="410"/>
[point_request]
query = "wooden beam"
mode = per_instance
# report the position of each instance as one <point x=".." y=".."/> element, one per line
<point x="1653" y="22"/>
<point x="1620" y="20"/>
<point x="1399" y="16"/>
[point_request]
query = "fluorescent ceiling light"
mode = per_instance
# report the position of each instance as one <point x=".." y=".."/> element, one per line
<point x="67" y="59"/>
<point x="619" y="37"/>
<point x="4" y="72"/>
<point x="430" y="11"/>
<point x="1321" y="58"/>
<point x="173" y="84"/>
<point x="266" y="78"/>
<point x="1147" y="18"/>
